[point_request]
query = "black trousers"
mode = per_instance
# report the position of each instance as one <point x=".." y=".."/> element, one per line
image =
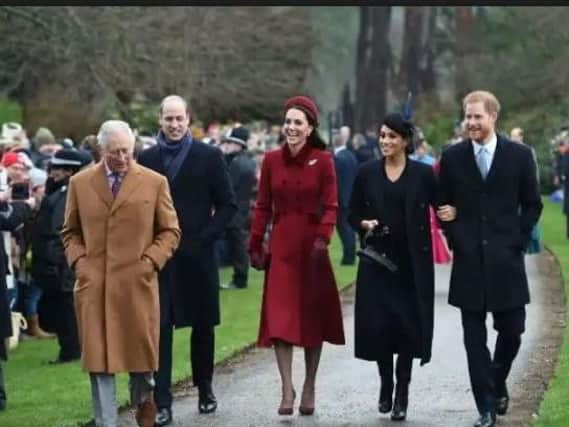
<point x="403" y="369"/>
<point x="65" y="323"/>
<point x="202" y="351"/>
<point x="347" y="236"/>
<point x="488" y="374"/>
<point x="236" y="238"/>
<point x="3" y="397"/>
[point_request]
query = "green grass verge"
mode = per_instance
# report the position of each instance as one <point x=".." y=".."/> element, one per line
<point x="46" y="396"/>
<point x="10" y="111"/>
<point x="554" y="410"/>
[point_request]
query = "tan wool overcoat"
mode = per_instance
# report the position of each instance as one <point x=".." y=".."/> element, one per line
<point x="109" y="242"/>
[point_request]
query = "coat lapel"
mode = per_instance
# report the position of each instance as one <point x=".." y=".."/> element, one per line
<point x="101" y="185"/>
<point x="412" y="189"/>
<point x="378" y="177"/>
<point x="470" y="162"/>
<point x="130" y="183"/>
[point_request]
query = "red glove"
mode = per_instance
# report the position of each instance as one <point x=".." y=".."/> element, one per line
<point x="258" y="260"/>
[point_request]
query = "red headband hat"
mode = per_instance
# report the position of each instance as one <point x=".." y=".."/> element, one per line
<point x="305" y="104"/>
<point x="12" y="157"/>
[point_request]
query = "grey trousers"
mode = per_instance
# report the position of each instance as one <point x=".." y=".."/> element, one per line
<point x="104" y="395"/>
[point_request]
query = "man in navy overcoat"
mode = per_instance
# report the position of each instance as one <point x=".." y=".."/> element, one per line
<point x="489" y="202"/>
<point x="189" y="284"/>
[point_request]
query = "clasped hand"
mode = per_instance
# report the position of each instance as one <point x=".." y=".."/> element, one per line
<point x="446" y="213"/>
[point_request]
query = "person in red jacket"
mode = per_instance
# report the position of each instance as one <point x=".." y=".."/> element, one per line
<point x="301" y="305"/>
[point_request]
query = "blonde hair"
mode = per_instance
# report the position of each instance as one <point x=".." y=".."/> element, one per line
<point x="491" y="103"/>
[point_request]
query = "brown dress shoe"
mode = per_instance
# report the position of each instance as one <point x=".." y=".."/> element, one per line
<point x="146" y="414"/>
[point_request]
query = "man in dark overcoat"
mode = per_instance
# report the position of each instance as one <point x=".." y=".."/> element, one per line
<point x="346" y="165"/>
<point x="12" y="215"/>
<point x="242" y="172"/>
<point x="189" y="284"/>
<point x="489" y="202"/>
<point x="50" y="269"/>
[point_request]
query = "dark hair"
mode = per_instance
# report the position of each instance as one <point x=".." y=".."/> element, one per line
<point x="403" y="127"/>
<point x="314" y="139"/>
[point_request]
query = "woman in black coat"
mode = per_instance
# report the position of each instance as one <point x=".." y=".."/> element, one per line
<point x="394" y="309"/>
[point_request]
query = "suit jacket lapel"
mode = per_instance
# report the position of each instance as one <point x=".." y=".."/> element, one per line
<point x="101" y="185"/>
<point x="130" y="183"/>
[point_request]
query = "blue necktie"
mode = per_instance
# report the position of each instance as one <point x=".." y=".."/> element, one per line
<point x="482" y="161"/>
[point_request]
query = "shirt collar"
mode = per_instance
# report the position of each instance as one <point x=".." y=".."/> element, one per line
<point x="338" y="149"/>
<point x="490" y="145"/>
<point x="110" y="173"/>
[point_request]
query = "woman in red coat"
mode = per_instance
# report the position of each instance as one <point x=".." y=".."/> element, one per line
<point x="301" y="306"/>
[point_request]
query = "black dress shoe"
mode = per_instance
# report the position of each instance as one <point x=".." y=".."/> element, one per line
<point x="233" y="285"/>
<point x="502" y="401"/>
<point x="487" y="419"/>
<point x="385" y="398"/>
<point x="163" y="417"/>
<point x="399" y="412"/>
<point x="61" y="360"/>
<point x="502" y="405"/>
<point x="207" y="403"/>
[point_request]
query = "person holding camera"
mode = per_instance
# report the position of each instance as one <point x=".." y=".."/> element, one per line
<point x="395" y="285"/>
<point x="12" y="215"/>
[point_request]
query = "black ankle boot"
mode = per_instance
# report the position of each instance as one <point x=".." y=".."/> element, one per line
<point x="207" y="403"/>
<point x="401" y="400"/>
<point x="385" y="397"/>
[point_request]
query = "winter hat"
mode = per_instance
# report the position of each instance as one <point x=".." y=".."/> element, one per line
<point x="44" y="136"/>
<point x="239" y="135"/>
<point x="303" y="103"/>
<point x="38" y="177"/>
<point x="67" y="158"/>
<point x="13" y="157"/>
<point x="11" y="130"/>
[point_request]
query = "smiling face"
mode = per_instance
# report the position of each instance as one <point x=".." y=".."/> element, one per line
<point x="296" y="128"/>
<point x="480" y="123"/>
<point x="391" y="143"/>
<point x="174" y="119"/>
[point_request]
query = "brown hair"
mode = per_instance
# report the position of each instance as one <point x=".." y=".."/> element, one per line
<point x="491" y="103"/>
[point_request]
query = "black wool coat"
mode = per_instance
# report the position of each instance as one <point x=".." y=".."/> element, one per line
<point x="367" y="202"/>
<point x="49" y="264"/>
<point x="494" y="221"/>
<point x="205" y="203"/>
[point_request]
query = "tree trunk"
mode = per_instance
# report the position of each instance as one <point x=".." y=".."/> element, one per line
<point x="464" y="21"/>
<point x="373" y="60"/>
<point x="410" y="65"/>
<point x="428" y="80"/>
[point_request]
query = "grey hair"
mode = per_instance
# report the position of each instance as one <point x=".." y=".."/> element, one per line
<point x="174" y="98"/>
<point x="113" y="126"/>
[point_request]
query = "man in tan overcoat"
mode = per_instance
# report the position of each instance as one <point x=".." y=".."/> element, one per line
<point x="120" y="229"/>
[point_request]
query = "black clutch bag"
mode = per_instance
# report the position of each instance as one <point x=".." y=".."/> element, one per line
<point x="377" y="248"/>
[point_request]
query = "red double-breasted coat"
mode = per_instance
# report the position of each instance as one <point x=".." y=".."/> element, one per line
<point x="298" y="196"/>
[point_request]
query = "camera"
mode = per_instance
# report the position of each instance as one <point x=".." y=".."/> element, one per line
<point x="20" y="190"/>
